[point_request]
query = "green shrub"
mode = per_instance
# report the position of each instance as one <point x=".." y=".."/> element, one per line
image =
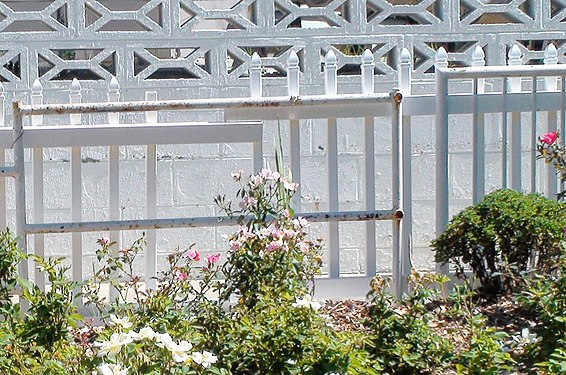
<point x="501" y="235"/>
<point x="278" y="335"/>
<point x="274" y="328"/>
<point x="402" y="341"/>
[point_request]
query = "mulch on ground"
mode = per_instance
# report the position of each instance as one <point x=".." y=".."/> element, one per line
<point x="502" y="314"/>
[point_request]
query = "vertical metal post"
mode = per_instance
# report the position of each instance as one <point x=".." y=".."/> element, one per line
<point x="368" y="81"/>
<point x="2" y="162"/>
<point x="20" y="185"/>
<point x="442" y="190"/>
<point x="2" y="193"/>
<point x="401" y="257"/>
<point x="256" y="92"/>
<point x="330" y="75"/>
<point x="505" y="137"/>
<point x="515" y="86"/>
<point x="405" y="68"/>
<point x="442" y="187"/>
<point x="75" y="96"/>
<point x="478" y="132"/>
<point x="551" y="84"/>
<point x="37" y="173"/>
<point x="151" y="199"/>
<point x="114" y="164"/>
<point x="563" y="121"/>
<point x="533" y="139"/>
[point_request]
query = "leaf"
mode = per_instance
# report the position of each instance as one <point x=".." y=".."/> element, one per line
<point x="26" y="284"/>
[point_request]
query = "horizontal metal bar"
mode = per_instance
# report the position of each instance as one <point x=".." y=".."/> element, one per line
<point x="486" y="103"/>
<point x="503" y="71"/>
<point x="348" y="109"/>
<point x="8" y="172"/>
<point x="170" y="105"/>
<point x="198" y="222"/>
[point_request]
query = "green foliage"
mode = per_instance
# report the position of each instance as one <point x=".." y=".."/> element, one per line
<point x="178" y="293"/>
<point x="277" y="336"/>
<point x="51" y="313"/>
<point x="275" y="328"/>
<point x="36" y="340"/>
<point x="545" y="296"/>
<point x="402" y="341"/>
<point x="486" y="354"/>
<point x="10" y="257"/>
<point x="500" y="235"/>
<point x="255" y="314"/>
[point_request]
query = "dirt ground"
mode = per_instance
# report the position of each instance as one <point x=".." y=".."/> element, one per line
<point x="502" y="314"/>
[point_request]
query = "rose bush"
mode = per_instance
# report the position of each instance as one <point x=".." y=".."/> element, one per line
<point x="553" y="153"/>
<point x="270" y="252"/>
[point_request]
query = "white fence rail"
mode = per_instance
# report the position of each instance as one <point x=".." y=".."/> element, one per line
<point x="518" y="95"/>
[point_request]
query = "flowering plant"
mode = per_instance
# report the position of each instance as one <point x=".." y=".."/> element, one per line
<point x="146" y="329"/>
<point x="553" y="153"/>
<point x="177" y="290"/>
<point x="270" y="250"/>
<point x="146" y="351"/>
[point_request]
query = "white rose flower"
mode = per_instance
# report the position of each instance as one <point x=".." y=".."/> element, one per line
<point x="205" y="359"/>
<point x="113" y="345"/>
<point x="146" y="333"/>
<point x="179" y="351"/>
<point x="122" y="322"/>
<point x="307" y="302"/>
<point x="111" y="369"/>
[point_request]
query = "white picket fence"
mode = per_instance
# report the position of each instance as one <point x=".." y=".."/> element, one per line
<point x="480" y="91"/>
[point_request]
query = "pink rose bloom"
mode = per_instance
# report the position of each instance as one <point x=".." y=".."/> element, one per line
<point x="248" y="202"/>
<point x="265" y="173"/>
<point x="245" y="232"/>
<point x="255" y="181"/>
<point x="212" y="258"/>
<point x="193" y="255"/>
<point x="269" y="175"/>
<point x="549" y="138"/>
<point x="304" y="247"/>
<point x="235" y="245"/>
<point x="289" y="233"/>
<point x="276" y="233"/>
<point x="273" y="246"/>
<point x="291" y="186"/>
<point x="181" y="275"/>
<point x="300" y="222"/>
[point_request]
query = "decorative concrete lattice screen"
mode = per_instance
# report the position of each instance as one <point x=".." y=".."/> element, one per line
<point x="210" y="42"/>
